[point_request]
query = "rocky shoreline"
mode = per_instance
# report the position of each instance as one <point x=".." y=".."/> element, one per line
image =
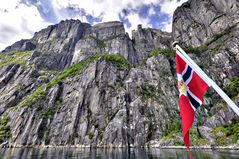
<point x="229" y="147"/>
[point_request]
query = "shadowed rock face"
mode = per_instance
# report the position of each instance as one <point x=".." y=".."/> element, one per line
<point x="58" y="42"/>
<point x="89" y="85"/>
<point x="146" y="40"/>
<point x="22" y="45"/>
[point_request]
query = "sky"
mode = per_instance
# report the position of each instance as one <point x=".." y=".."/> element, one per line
<point x="20" y="19"/>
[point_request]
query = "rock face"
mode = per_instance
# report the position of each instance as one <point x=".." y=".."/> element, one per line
<point x="82" y="85"/>
<point x="22" y="45"/>
<point x="146" y="40"/>
<point x="57" y="43"/>
<point x="197" y="21"/>
<point x="105" y="38"/>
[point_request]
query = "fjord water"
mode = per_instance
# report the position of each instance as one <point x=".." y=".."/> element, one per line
<point x="116" y="153"/>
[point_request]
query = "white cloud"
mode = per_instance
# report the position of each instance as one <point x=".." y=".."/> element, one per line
<point x="168" y="7"/>
<point x="2" y="46"/>
<point x="135" y="19"/>
<point x="18" y="21"/>
<point x="167" y="26"/>
<point x="151" y="11"/>
<point x="110" y="10"/>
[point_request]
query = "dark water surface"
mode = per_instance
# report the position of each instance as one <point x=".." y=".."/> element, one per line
<point x="116" y="153"/>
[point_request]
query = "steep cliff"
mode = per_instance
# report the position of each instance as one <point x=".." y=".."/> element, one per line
<point x="195" y="22"/>
<point x="82" y="85"/>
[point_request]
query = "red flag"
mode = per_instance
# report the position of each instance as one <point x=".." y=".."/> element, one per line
<point x="191" y="90"/>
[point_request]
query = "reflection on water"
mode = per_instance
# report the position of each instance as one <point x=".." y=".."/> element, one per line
<point x="115" y="153"/>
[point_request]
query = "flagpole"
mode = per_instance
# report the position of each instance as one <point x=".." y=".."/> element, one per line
<point x="192" y="64"/>
<point x="208" y="80"/>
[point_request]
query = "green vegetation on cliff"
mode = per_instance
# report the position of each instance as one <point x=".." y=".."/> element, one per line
<point x="4" y="128"/>
<point x="232" y="89"/>
<point x="166" y="52"/>
<point x="73" y="70"/>
<point x="117" y="60"/>
<point x="195" y="50"/>
<point x="171" y="53"/>
<point x="226" y="134"/>
<point x="19" y="58"/>
<point x="227" y="31"/>
<point x="49" y="113"/>
<point x="148" y="92"/>
<point x="90" y="135"/>
<point x="196" y="139"/>
<point x="2" y="56"/>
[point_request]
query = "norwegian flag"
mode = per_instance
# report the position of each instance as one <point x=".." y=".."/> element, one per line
<point x="191" y="90"/>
